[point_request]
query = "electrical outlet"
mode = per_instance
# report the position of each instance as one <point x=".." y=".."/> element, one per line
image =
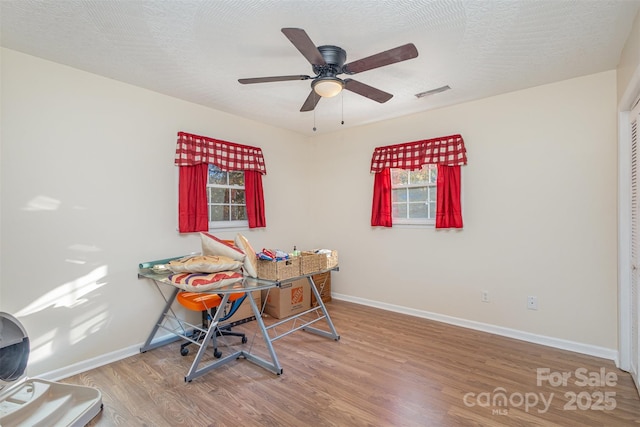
<point x="484" y="297"/>
<point x="532" y="303"/>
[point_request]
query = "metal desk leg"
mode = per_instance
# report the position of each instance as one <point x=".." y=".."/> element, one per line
<point x="274" y="366"/>
<point x="194" y="372"/>
<point x="334" y="334"/>
<point x="147" y="345"/>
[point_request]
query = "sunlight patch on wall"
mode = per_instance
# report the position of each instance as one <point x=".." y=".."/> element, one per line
<point x="88" y="324"/>
<point x="42" y="346"/>
<point x="69" y="294"/>
<point x="42" y="203"/>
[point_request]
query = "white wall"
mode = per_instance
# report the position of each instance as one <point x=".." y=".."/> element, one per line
<point x="88" y="191"/>
<point x="539" y="205"/>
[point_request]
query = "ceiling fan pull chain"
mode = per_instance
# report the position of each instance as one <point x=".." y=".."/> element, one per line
<point x="314" y="115"/>
<point x="342" y="100"/>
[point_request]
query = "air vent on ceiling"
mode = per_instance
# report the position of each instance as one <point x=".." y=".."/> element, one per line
<point x="432" y="91"/>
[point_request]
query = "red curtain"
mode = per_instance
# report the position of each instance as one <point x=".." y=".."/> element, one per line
<point x="381" y="209"/>
<point x="228" y="156"/>
<point x="448" y="207"/>
<point x="254" y="199"/>
<point x="448" y="152"/>
<point x="192" y="202"/>
<point x="193" y="155"/>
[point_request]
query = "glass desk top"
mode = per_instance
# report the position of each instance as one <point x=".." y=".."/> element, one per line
<point x="244" y="284"/>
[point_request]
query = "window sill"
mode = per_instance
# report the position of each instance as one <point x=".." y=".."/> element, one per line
<point x="229" y="228"/>
<point x="431" y="224"/>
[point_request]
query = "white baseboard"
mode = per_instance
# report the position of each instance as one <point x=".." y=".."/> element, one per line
<point x="96" y="362"/>
<point x="591" y="350"/>
<point x="86" y="365"/>
<point x="577" y="347"/>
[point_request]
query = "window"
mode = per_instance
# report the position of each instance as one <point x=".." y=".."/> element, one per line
<point x="226" y="198"/>
<point x="413" y="195"/>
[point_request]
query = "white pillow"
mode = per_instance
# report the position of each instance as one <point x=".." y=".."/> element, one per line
<point x="204" y="264"/>
<point x="251" y="260"/>
<point x="211" y="245"/>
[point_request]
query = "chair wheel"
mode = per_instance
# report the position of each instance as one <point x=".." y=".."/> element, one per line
<point x="184" y="351"/>
<point x="217" y="354"/>
<point x="244" y="340"/>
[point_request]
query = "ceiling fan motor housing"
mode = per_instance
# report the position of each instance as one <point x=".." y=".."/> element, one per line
<point x="334" y="57"/>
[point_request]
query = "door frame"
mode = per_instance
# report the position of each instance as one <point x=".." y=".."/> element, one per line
<point x="626" y="104"/>
<point x="624" y="241"/>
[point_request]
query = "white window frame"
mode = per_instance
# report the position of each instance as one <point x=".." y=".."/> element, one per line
<point x="429" y="222"/>
<point x="218" y="225"/>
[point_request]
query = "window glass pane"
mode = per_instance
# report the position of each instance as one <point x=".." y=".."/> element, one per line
<point x="399" y="177"/>
<point x="238" y="213"/>
<point x="419" y="177"/>
<point x="417" y="210"/>
<point x="432" y="193"/>
<point x="218" y="195"/>
<point x="399" y="195"/>
<point x="236" y="178"/>
<point x="413" y="194"/>
<point x="237" y="197"/>
<point x="433" y="174"/>
<point x="432" y="210"/>
<point x="418" y="194"/>
<point x="216" y="213"/>
<point x="399" y="210"/>
<point x="226" y="196"/>
<point x="216" y="176"/>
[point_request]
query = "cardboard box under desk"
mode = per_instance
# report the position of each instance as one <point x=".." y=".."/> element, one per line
<point x="244" y="312"/>
<point x="287" y="300"/>
<point x="323" y="285"/>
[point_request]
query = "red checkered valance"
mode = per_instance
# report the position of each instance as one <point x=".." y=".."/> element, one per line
<point x="446" y="150"/>
<point x="194" y="149"/>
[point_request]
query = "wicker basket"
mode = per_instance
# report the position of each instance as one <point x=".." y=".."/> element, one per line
<point x="332" y="260"/>
<point x="310" y="262"/>
<point x="278" y="270"/>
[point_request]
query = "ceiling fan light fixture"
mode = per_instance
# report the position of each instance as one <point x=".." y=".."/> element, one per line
<point x="327" y="87"/>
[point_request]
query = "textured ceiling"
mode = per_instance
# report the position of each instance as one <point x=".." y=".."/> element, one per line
<point x="196" y="50"/>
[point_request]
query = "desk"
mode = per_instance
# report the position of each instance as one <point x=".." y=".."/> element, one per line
<point x="247" y="285"/>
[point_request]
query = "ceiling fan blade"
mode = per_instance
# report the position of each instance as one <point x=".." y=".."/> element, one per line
<point x="391" y="56"/>
<point x="272" y="79"/>
<point x="367" y="91"/>
<point x="303" y="43"/>
<point x="311" y="102"/>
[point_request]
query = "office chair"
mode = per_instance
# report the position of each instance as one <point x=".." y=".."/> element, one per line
<point x="207" y="304"/>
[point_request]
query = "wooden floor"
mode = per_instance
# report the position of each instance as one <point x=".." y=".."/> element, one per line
<point x="387" y="369"/>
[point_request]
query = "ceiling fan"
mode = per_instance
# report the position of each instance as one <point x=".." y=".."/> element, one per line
<point x="327" y="62"/>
